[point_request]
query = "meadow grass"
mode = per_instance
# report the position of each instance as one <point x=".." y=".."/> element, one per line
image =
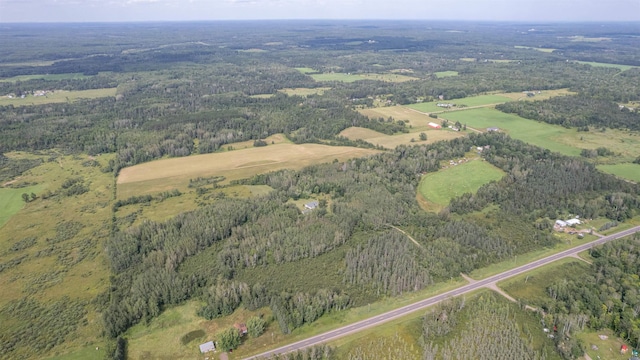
<point x="607" y="349"/>
<point x="167" y="174"/>
<point x="58" y="96"/>
<point x="599" y="64"/>
<point x="392" y="141"/>
<point x="69" y="76"/>
<point x="627" y="171"/>
<point x="415" y="119"/>
<point x="442" y="186"/>
<point x="347" y="77"/>
<point x="305" y="70"/>
<point x="531" y="287"/>
<point x="473" y="101"/>
<point x="444" y="74"/>
<point x="544" y="50"/>
<point x="50" y="276"/>
<point x="533" y="132"/>
<point x="304" y="91"/>
<point x="11" y="201"/>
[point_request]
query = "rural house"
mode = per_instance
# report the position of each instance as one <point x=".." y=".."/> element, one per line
<point x="311" y="205"/>
<point x="242" y="328"/>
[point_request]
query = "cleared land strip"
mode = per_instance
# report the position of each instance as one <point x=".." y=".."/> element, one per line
<point x="382" y="318"/>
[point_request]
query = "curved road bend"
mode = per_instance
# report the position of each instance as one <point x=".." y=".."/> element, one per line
<point x="379" y="319"/>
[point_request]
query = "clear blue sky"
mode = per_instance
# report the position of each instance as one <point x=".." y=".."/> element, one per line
<point x="181" y="10"/>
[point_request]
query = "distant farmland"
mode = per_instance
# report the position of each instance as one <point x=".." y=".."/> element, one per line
<point x="391" y="141"/>
<point x="173" y="173"/>
<point x="58" y="96"/>
<point x="471" y="101"/>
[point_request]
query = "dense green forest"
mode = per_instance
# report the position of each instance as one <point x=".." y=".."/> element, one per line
<point x="185" y="89"/>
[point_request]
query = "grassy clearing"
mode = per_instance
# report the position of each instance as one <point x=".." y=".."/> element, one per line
<point x="443" y="74"/>
<point x="415" y="119"/>
<point x="58" y="96"/>
<point x="348" y="77"/>
<point x="543" y="95"/>
<point x="305" y="91"/>
<point x="74" y="267"/>
<point x="391" y="141"/>
<point x="552" y="137"/>
<point x="607" y="349"/>
<point x="442" y="186"/>
<point x="167" y="174"/>
<point x="531" y="287"/>
<point x="70" y="76"/>
<point x="12" y="202"/>
<point x="627" y="171"/>
<point x="544" y="50"/>
<point x="262" y="96"/>
<point x="91" y="352"/>
<point x="599" y="64"/>
<point x="473" y="101"/>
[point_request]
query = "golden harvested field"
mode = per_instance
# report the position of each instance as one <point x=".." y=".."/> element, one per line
<point x="416" y="119"/>
<point x="391" y="141"/>
<point x="173" y="173"/>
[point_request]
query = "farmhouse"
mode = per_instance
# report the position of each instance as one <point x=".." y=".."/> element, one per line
<point x="572" y="222"/>
<point x="206" y="347"/>
<point x="561" y="223"/>
<point x="434" y="125"/>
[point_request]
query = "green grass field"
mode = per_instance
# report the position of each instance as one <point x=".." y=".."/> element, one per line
<point x="442" y="186"/>
<point x="305" y="91"/>
<point x="599" y="64"/>
<point x="473" y="101"/>
<point x="58" y="96"/>
<point x="533" y="132"/>
<point x="346" y="77"/>
<point x="443" y="74"/>
<point x="628" y="171"/>
<point x="544" y="50"/>
<point x="11" y="201"/>
<point x="69" y="76"/>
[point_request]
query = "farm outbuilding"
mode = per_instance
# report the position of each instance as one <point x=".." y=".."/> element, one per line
<point x="493" y="129"/>
<point x="311" y="205"/>
<point x="434" y="125"/>
<point x="572" y="222"/>
<point x="206" y="347"/>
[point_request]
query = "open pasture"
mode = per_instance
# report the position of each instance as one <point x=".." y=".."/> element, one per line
<point x="348" y="77"/>
<point x="69" y="76"/>
<point x="467" y="177"/>
<point x="11" y="201"/>
<point x="166" y="174"/>
<point x="391" y="141"/>
<point x="304" y="91"/>
<point x="58" y="96"/>
<point x="472" y="101"/>
<point x="548" y="136"/>
<point x="416" y="119"/>
<point x="627" y="171"/>
<point x="444" y="74"/>
<point x="544" y="50"/>
<point x="599" y="64"/>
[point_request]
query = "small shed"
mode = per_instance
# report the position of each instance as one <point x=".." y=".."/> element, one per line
<point x="242" y="328"/>
<point x="207" y="347"/>
<point x="311" y="205"/>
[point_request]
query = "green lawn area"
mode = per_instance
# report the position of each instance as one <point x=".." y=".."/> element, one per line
<point x="46" y="77"/>
<point x="545" y="50"/>
<point x="471" y="101"/>
<point x="533" y="132"/>
<point x="11" y="201"/>
<point x="599" y="64"/>
<point x="443" y="74"/>
<point x="305" y="70"/>
<point x="440" y="187"/>
<point x="91" y="352"/>
<point x="628" y="171"/>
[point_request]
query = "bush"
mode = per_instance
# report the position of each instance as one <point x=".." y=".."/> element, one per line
<point x="255" y="326"/>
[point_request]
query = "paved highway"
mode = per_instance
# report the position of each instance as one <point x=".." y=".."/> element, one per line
<point x="382" y="318"/>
